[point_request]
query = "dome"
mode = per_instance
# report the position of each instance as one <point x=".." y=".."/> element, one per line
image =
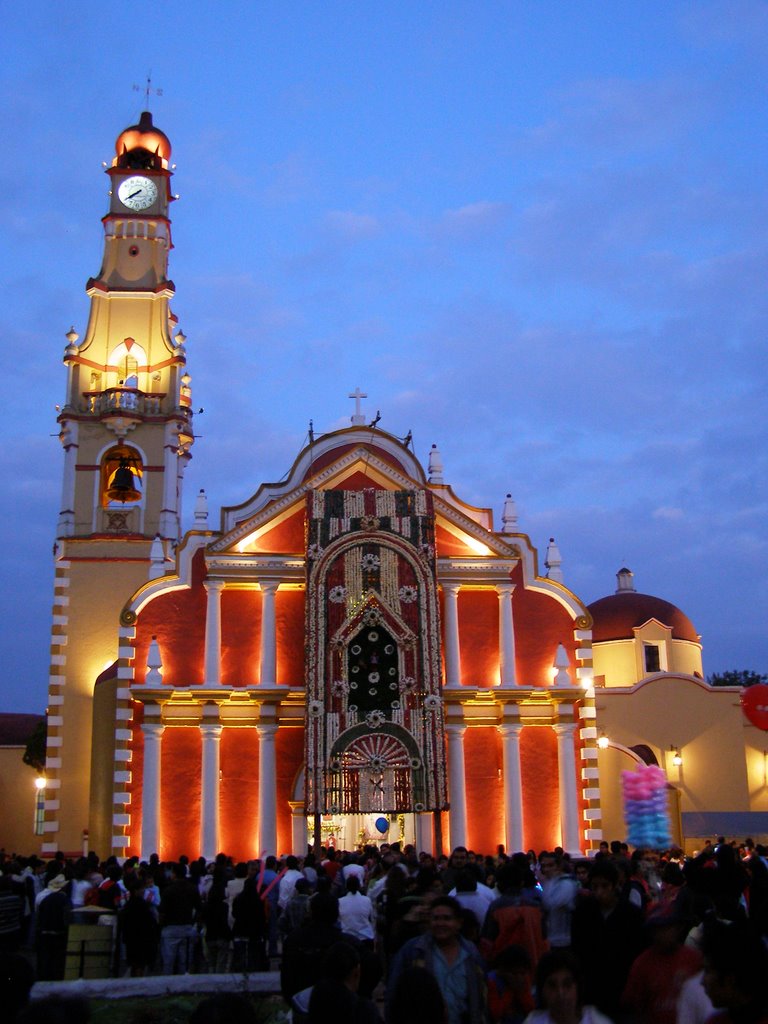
<point x="142" y="141"/>
<point x="616" y="616"/>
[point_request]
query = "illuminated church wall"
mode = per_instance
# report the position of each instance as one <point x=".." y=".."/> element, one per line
<point x="176" y="619"/>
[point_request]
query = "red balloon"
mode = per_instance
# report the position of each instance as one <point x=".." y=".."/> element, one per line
<point x="754" y="704"/>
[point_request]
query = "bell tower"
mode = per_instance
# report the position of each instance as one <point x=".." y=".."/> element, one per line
<point x="126" y="425"/>
<point x="126" y="429"/>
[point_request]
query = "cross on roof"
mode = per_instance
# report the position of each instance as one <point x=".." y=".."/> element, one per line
<point x="358" y="419"/>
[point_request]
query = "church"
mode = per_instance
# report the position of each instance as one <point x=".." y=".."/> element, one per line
<point x="352" y="654"/>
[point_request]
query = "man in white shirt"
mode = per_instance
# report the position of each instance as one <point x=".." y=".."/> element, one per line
<point x="288" y="881"/>
<point x="558" y="899"/>
<point x="356" y="914"/>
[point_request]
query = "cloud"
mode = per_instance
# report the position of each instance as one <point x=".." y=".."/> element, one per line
<point x="474" y="218"/>
<point x="710" y="23"/>
<point x="289" y="180"/>
<point x="620" y="114"/>
<point x="668" y="512"/>
<point x="352" y="226"/>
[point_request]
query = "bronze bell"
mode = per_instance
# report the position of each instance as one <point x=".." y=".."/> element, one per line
<point x="123" y="486"/>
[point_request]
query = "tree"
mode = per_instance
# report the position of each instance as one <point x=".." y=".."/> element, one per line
<point x="737" y="677"/>
<point x="34" y="755"/>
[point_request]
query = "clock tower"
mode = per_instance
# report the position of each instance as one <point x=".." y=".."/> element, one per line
<point x="126" y="430"/>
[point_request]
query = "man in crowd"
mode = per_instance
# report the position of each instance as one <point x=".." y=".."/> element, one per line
<point x="559" y="899"/>
<point x="452" y="960"/>
<point x="179" y="908"/>
<point x="607" y="935"/>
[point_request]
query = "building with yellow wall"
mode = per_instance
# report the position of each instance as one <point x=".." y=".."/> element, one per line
<point x="653" y="705"/>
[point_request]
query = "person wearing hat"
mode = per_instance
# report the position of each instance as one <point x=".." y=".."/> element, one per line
<point x="53" y="913"/>
<point x="657" y="975"/>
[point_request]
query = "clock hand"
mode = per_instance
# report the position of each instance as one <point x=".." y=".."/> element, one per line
<point x="136" y="193"/>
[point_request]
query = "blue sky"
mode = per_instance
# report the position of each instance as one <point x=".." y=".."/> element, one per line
<point x="533" y="232"/>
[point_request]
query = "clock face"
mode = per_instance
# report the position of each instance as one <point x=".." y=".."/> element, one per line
<point x="137" y="193"/>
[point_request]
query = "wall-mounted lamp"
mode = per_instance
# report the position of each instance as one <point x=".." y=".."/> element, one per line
<point x="40" y="782"/>
<point x="677" y="757"/>
<point x="602" y="740"/>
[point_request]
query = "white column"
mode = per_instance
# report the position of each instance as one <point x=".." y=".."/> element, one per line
<point x="169" y="514"/>
<point x="209" y="811"/>
<point x="68" y="436"/>
<point x="506" y="635"/>
<point x="213" y="632"/>
<point x="513" y="787"/>
<point x="452" y="647"/>
<point x="267" y="790"/>
<point x="268" y="673"/>
<point x="456" y="788"/>
<point x="569" y="794"/>
<point x="150" y="799"/>
<point x="424" y="841"/>
<point x="299" y="833"/>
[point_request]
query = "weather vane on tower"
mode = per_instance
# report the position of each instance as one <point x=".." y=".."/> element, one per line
<point x="148" y="90"/>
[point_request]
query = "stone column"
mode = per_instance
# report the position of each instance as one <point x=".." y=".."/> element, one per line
<point x="150" y="814"/>
<point x="209" y="811"/>
<point x="569" y="794"/>
<point x="456" y="788"/>
<point x="506" y="635"/>
<point x="452" y="645"/>
<point x="299" y="834"/>
<point x="267" y="789"/>
<point x="268" y="661"/>
<point x="213" y="632"/>
<point x="513" y="787"/>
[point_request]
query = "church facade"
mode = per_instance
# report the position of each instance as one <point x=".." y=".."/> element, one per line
<point x="355" y="645"/>
<point x="354" y="652"/>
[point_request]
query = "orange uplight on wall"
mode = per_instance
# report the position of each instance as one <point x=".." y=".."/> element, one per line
<point x="677" y="757"/>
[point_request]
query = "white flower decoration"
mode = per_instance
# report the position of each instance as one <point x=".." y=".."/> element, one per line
<point x="375" y="719"/>
<point x="370" y="562"/>
<point x="418" y="807"/>
<point x="408" y="594"/>
<point x="315" y="708"/>
<point x="407" y="683"/>
<point x="432" y="702"/>
<point x="314" y="551"/>
<point x="337" y="595"/>
<point x="415" y="762"/>
<point x="339" y="687"/>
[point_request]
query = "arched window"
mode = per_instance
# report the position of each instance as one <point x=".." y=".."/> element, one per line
<point x="122" y="472"/>
<point x="127" y="358"/>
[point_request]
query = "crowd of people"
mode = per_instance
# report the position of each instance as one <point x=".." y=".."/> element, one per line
<point x="390" y="933"/>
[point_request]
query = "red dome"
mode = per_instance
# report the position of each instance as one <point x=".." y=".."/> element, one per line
<point x="143" y="137"/>
<point x="616" y="616"/>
